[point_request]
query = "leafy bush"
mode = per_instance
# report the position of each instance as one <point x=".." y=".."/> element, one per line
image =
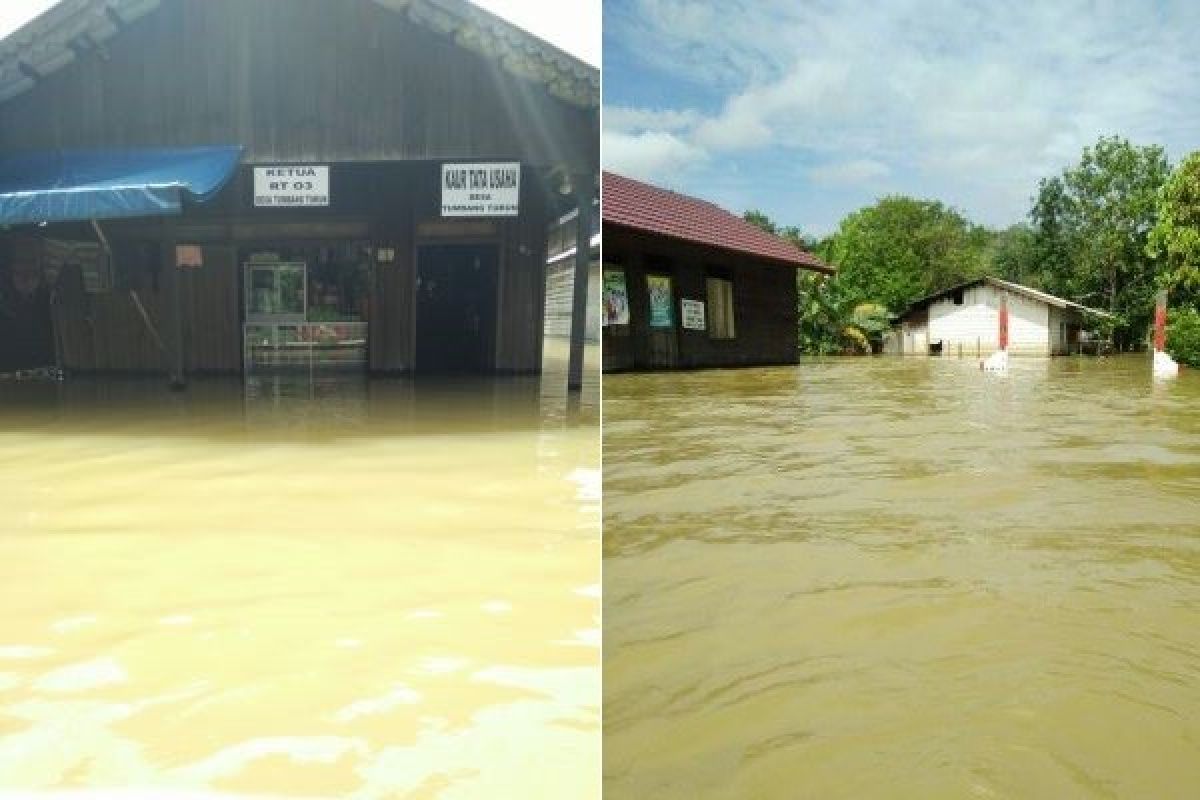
<point x="1183" y="336"/>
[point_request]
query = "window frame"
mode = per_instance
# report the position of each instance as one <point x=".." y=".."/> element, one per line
<point x="722" y="327"/>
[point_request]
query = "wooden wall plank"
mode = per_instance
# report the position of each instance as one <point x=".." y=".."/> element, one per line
<point x="298" y="80"/>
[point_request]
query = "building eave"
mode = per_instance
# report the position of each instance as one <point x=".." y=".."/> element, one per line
<point x="798" y="264"/>
<point x="1026" y="291"/>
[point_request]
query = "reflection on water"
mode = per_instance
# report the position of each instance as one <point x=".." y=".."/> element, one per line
<point x="330" y="587"/>
<point x="904" y="579"/>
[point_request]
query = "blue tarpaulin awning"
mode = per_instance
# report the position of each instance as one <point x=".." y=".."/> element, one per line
<point x="103" y="184"/>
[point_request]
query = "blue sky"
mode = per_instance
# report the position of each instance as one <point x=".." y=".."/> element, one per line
<point x="810" y="110"/>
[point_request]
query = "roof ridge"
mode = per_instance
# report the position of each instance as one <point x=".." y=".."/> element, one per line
<point x="695" y="199"/>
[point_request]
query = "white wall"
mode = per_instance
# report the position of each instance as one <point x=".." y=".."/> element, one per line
<point x="1058" y="331"/>
<point x="974" y="326"/>
<point x="912" y="339"/>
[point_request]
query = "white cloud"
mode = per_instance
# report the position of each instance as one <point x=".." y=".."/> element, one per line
<point x="654" y="156"/>
<point x="970" y="102"/>
<point x="624" y="118"/>
<point x="860" y="170"/>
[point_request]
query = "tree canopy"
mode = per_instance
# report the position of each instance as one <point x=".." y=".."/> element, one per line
<point x="1175" y="238"/>
<point x="1105" y="232"/>
<point x="901" y="249"/>
<point x="1091" y="226"/>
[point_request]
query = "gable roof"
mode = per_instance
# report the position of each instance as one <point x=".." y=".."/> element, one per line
<point x="1016" y="288"/>
<point x="56" y="37"/>
<point x="642" y="207"/>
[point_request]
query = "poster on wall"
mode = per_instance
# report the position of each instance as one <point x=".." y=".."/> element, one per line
<point x="291" y="186"/>
<point x="691" y="314"/>
<point x="481" y="190"/>
<point x="659" y="289"/>
<point x="616" y="298"/>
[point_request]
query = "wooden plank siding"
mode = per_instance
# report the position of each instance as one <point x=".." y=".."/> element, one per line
<point x="211" y="312"/>
<point x="297" y="80"/>
<point x="379" y="98"/>
<point x="764" y="297"/>
<point x="522" y="286"/>
<point x="392" y="329"/>
<point x="104" y="332"/>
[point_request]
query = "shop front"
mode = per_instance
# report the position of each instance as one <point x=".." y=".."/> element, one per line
<point x="398" y="228"/>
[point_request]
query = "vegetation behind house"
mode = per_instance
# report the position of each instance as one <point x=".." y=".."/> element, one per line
<point x="1107" y="232"/>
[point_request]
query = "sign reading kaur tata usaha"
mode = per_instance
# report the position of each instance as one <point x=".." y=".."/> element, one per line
<point x="481" y="190"/>
<point x="289" y="186"/>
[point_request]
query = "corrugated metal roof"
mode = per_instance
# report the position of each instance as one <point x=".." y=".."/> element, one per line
<point x="640" y="206"/>
<point x="52" y="40"/>
<point x="1017" y="288"/>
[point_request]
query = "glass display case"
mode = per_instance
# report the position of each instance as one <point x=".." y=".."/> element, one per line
<point x="276" y="292"/>
<point x="306" y="313"/>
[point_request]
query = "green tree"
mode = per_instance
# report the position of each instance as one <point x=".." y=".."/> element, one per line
<point x="821" y="312"/>
<point x="824" y="311"/>
<point x="760" y="220"/>
<point x="902" y="248"/>
<point x="1052" y="237"/>
<point x="1091" y="227"/>
<point x="1175" y="240"/>
<point x="1183" y="336"/>
<point x="1012" y="254"/>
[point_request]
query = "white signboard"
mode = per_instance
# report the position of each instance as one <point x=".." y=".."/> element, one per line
<point x="481" y="190"/>
<point x="290" y="186"/>
<point x="692" y="314"/>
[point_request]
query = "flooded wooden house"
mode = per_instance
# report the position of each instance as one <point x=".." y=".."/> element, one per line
<point x="687" y="284"/>
<point x="227" y="185"/>
<point x="964" y="320"/>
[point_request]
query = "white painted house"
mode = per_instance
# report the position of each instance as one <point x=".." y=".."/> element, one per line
<point x="964" y="320"/>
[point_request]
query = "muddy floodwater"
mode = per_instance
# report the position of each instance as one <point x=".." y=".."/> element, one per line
<point x="299" y="587"/>
<point x="903" y="579"/>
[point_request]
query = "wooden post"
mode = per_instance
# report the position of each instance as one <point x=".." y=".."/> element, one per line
<point x="1003" y="322"/>
<point x="173" y="329"/>
<point x="1160" y="321"/>
<point x="585" y="189"/>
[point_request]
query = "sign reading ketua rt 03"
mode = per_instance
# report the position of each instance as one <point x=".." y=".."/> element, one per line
<point x="481" y="190"/>
<point x="291" y="186"/>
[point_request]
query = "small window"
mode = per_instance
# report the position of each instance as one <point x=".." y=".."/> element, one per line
<point x="720" y="309"/>
<point x="958" y="297"/>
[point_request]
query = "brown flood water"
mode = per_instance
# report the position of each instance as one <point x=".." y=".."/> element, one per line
<point x="903" y="579"/>
<point x="299" y="588"/>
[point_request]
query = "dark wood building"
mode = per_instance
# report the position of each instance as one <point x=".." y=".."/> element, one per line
<point x="391" y="169"/>
<point x="687" y="284"/>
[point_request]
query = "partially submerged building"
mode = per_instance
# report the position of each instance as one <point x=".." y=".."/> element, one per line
<point x="964" y="320"/>
<point x="223" y="185"/>
<point x="687" y="284"/>
<point x="561" y="247"/>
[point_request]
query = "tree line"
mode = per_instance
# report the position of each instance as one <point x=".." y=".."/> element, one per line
<point x="1108" y="232"/>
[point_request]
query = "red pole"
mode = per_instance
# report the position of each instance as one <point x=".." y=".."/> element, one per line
<point x="1003" y="322"/>
<point x="1160" y="321"/>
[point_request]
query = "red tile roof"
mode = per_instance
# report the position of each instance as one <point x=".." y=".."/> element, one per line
<point x="642" y="207"/>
